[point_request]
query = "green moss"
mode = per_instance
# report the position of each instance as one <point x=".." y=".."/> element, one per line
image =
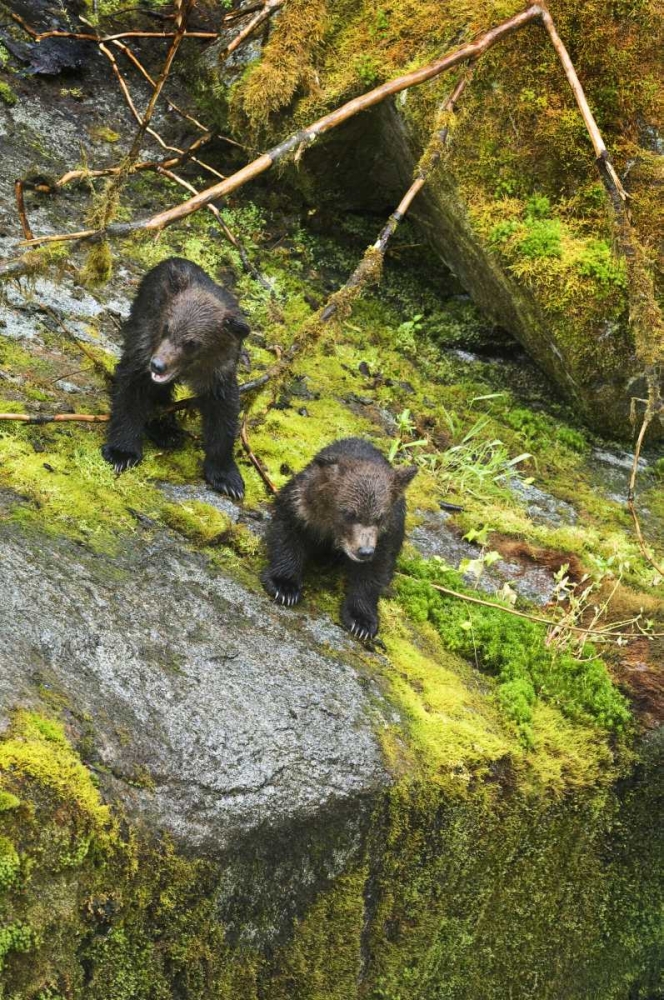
<point x="8" y="801"/>
<point x="200" y="522"/>
<point x="37" y="751"/>
<point x="102" y="133"/>
<point x="10" y="863"/>
<point x="7" y="95"/>
<point x="14" y="937"/>
<point x="514" y="650"/>
<point x="324" y="960"/>
<point x="98" y="266"/>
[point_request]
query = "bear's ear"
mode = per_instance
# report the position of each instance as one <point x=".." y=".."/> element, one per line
<point x="403" y="475"/>
<point x="236" y="324"/>
<point x="326" y="462"/>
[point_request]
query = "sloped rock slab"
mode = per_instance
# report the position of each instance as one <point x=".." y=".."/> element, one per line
<point x="213" y="714"/>
<point x="435" y="537"/>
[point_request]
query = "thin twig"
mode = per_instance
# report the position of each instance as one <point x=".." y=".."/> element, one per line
<point x="182" y="13"/>
<point x="230" y="236"/>
<point x="654" y="404"/>
<point x="609" y="632"/>
<point x="125" y="168"/>
<point x="268" y="9"/>
<point x="169" y="103"/>
<point x="172" y="161"/>
<point x="20" y="202"/>
<point x="255" y="461"/>
<point x="369" y="268"/>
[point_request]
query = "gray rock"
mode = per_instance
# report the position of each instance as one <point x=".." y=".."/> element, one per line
<point x="435" y="537"/>
<point x="237" y="715"/>
<point x="542" y="507"/>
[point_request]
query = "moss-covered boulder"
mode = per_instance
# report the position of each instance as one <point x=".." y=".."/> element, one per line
<point x="517" y="210"/>
<point x="201" y="796"/>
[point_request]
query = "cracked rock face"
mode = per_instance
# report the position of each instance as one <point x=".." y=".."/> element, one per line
<point x="213" y="714"/>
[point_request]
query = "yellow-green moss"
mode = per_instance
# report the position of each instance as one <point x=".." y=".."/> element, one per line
<point x="37" y="750"/>
<point x="7" y="95"/>
<point x="10" y="863"/>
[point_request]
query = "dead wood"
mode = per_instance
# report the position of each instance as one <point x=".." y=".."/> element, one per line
<point x="266" y="12"/>
<point x="305" y="137"/>
<point x="20" y="204"/>
<point x="255" y="461"/>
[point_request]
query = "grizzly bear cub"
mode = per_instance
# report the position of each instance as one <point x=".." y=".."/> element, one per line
<point x="182" y="328"/>
<point x="350" y="501"/>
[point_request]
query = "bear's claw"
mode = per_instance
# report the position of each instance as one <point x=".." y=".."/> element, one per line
<point x="362" y="627"/>
<point x="282" y="591"/>
<point x="120" y="460"/>
<point x="229" y="482"/>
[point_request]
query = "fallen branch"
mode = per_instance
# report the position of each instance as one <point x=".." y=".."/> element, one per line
<point x="370" y="267"/>
<point x="268" y="10"/>
<point x="20" y="203"/>
<point x="82" y="36"/>
<point x="305" y="137"/>
<point x="181" y="404"/>
<point x="255" y="461"/>
<point x="183" y="9"/>
<point x="56" y="418"/>
<point x="654" y="406"/>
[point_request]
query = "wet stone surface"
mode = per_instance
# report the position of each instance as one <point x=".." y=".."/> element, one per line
<point x="542" y="507"/>
<point x="434" y="536"/>
<point x="213" y="712"/>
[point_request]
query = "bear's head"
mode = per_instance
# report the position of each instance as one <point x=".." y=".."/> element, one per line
<point x="198" y="333"/>
<point x="353" y="502"/>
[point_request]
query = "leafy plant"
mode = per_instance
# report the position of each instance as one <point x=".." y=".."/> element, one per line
<point x="469" y="465"/>
<point x="405" y="338"/>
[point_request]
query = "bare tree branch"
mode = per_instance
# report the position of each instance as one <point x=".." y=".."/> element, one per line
<point x="305" y="137"/>
<point x="268" y="10"/>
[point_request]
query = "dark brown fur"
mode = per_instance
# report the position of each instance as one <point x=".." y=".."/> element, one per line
<point x="348" y="500"/>
<point x="182" y="328"/>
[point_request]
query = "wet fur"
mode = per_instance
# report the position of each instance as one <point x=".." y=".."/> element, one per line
<point x="309" y="522"/>
<point x="177" y="296"/>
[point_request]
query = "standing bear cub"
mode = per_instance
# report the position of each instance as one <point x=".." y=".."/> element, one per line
<point x="182" y="328"/>
<point x="350" y="501"/>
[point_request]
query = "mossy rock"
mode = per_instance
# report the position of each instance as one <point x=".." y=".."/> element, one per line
<point x="516" y="209"/>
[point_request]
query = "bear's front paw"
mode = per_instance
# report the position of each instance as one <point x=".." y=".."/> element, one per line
<point x="283" y="590"/>
<point x="361" y="623"/>
<point x="119" y="458"/>
<point x="166" y="433"/>
<point x="228" y="481"/>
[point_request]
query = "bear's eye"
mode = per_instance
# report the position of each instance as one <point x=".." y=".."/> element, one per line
<point x="189" y="346"/>
<point x="349" y="516"/>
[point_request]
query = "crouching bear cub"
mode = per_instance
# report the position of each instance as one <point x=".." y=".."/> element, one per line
<point x="182" y="328"/>
<point x="348" y="500"/>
